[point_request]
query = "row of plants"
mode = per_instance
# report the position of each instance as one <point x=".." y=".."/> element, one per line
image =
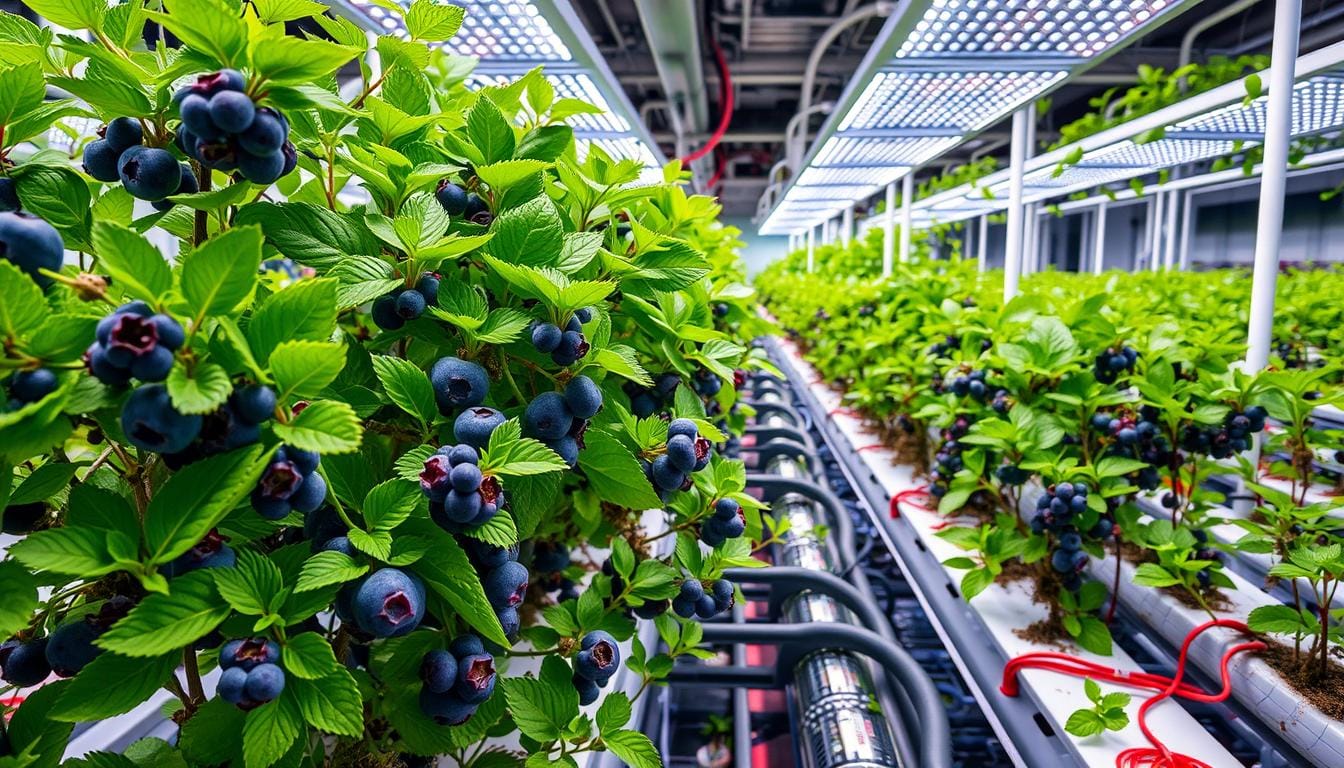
<point x="385" y="424"/>
<point x="1046" y="424"/>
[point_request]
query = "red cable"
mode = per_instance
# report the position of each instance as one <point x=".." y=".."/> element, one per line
<point x="1158" y="755"/>
<point x="726" y="117"/>
<point x="908" y="496"/>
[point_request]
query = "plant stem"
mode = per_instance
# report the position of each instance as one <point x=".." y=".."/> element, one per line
<point x="508" y="377"/>
<point x="200" y="231"/>
<point x="193" y="676"/>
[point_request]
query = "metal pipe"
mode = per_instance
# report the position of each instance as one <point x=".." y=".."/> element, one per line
<point x="811" y="248"/>
<point x="847" y="225"/>
<point x="1202" y="25"/>
<point x="1169" y="245"/>
<point x="889" y="230"/>
<point x="1273" y="182"/>
<point x="1012" y="260"/>
<point x="1099" y="239"/>
<point x="792" y="149"/>
<point x="610" y="20"/>
<point x="1187" y="228"/>
<point x="907" y="209"/>
<point x="982" y="244"/>
<point x="1155" y="247"/>
<point x="881" y="8"/>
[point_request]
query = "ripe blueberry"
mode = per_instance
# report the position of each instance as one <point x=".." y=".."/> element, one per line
<point x="30" y="244"/>
<point x="253" y="403"/>
<point x="70" y="648"/>
<point x="666" y="475"/>
<point x="151" y="423"/>
<point x="438" y="670"/>
<point x="100" y="161"/>
<point x="261" y="169"/>
<point x="598" y="657"/>
<point x="547" y="417"/>
<point x="567" y="448"/>
<point x="465" y="478"/>
<point x="475" y="425"/>
<point x="506" y="585"/>
<point x="573" y="346"/>
<point x="31" y="386"/>
<point x="681" y="452"/>
<point x="384" y="313"/>
<point x="545" y="337"/>
<point x="123" y="133"/>
<point x="458" y="384"/>
<point x="588" y="690"/>
<point x="452" y="197"/>
<point x="509" y="621"/>
<point x="683" y="427"/>
<point x="149" y="173"/>
<point x="27" y="664"/>
<point x="265" y="135"/>
<point x="232" y="111"/>
<point x="475" y="677"/>
<point x="389" y="603"/>
<point x="583" y="397"/>
<point x="264" y="682"/>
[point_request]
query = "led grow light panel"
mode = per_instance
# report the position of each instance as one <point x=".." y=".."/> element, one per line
<point x="1064" y="28"/>
<point x="1318" y="106"/>
<point x="868" y="176"/>
<point x="830" y="193"/>
<point x="567" y="86"/>
<point x="492" y="31"/>
<point x="957" y="101"/>
<point x="866" y="153"/>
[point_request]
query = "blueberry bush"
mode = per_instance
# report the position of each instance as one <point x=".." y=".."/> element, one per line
<point x="1087" y="419"/>
<point x="326" y="414"/>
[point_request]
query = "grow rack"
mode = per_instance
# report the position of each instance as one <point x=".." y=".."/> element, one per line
<point x="940" y="72"/>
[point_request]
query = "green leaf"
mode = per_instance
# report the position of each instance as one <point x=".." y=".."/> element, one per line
<point x="1084" y="723"/>
<point x="272" y="11"/>
<point x="21" y="302"/>
<point x="1276" y="620"/>
<point x="305" y="310"/>
<point x="112" y="684"/>
<point x="389" y="503"/>
<point x="975" y="582"/>
<point x="203" y="391"/>
<point x="71" y="551"/>
<point x="305" y="368"/>
<point x="1113" y="701"/>
<point x="294" y="60"/>
<point x="108" y="95"/>
<point x="1094" y="636"/>
<point x="1154" y="575"/>
<point x="134" y="265"/>
<point x="446" y="570"/>
<point x="221" y="273"/>
<point x="507" y="173"/>
<point x="432" y="21"/>
<point x="614" y="473"/>
<point x="531" y="234"/>
<point x="196" y="498"/>
<point x="270" y="730"/>
<point x="71" y="14"/>
<point x="489" y="131"/>
<point x="326" y="426"/>
<point x="310" y="233"/>
<point x="407" y="386"/>
<point x="207" y="26"/>
<point x="633" y="748"/>
<point x="20" y="591"/>
<point x="62" y="338"/>
<point x="211" y="737"/>
<point x="163" y="623"/>
<point x="613" y="713"/>
<point x="331" y="704"/>
<point x="1092" y="690"/>
<point x="250" y="585"/>
<point x="309" y="656"/>
<point x="327" y="568"/>
<point x="511" y="455"/>
<point x="43" y="483"/>
<point x="58" y="195"/>
<point x="542" y="707"/>
<point x="377" y="544"/>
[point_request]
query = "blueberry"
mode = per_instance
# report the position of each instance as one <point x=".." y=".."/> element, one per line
<point x="384" y="313"/>
<point x="465" y="478"/>
<point x="463" y="646"/>
<point x="681" y="452"/>
<point x="291" y="158"/>
<point x="70" y="648"/>
<point x="547" y="417"/>
<point x="683" y="427"/>
<point x="445" y="708"/>
<point x="567" y="448"/>
<point x="261" y="169"/>
<point x="185" y="186"/>
<point x="428" y="286"/>
<point x="475" y="205"/>
<point x="475" y="677"/>
<point x="722" y="592"/>
<point x="1061" y="560"/>
<point x="389" y="603"/>
<point x="232" y="111"/>
<point x="214" y="82"/>
<point x="458" y="384"/>
<point x="452" y="197"/>
<point x="643" y="405"/>
<point x="550" y="557"/>
<point x="462" y="453"/>
<point x="506" y="585"/>
<point x="666" y="475"/>
<point x="209" y="552"/>
<point x="683" y="607"/>
<point x="574" y="324"/>
<point x="733" y="527"/>
<point x="31" y="386"/>
<point x="474" y="426"/>
<point x="30" y="244"/>
<point x="253" y="403"/>
<point x="339" y="544"/>
<point x="438" y="670"/>
<point x="583" y="397"/>
<point x="247" y="653"/>
<point x="510" y="622"/>
<point x="27" y="664"/>
<point x="1127" y="435"/>
<point x="231" y="683"/>
<point x="304" y="461"/>
<point x="598" y="657"/>
<point x="410" y="305"/>
<point x="462" y="508"/>
<point x="652" y="609"/>
<point x="712" y="532"/>
<point x="265" y="135"/>
<point x="310" y="494"/>
<point x="100" y="161"/>
<point x="488" y="556"/>
<point x="1077" y="504"/>
<point x="151" y="423"/>
<point x="546" y="338"/>
<point x="9" y="194"/>
<point x="219" y="155"/>
<point x="1071" y="542"/>
<point x="573" y="346"/>
<point x="149" y="173"/>
<point x="1064" y="491"/>
<point x="705" y="607"/>
<point x="589" y="691"/>
<point x="322" y="525"/>
<point x="123" y="133"/>
<point x="584" y="314"/>
<point x="264" y="682"/>
<point x="19" y="519"/>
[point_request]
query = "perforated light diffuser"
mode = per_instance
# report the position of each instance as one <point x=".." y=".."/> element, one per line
<point x="1075" y="28"/>
<point x="492" y="31"/>
<point x="956" y="101"/>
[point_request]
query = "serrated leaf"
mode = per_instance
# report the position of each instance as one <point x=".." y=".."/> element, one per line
<point x="331" y="704"/>
<point x="634" y="748"/>
<point x="1084" y="723"/>
<point x="21" y="303"/>
<point x="327" y="568"/>
<point x="211" y="737"/>
<point x="308" y="655"/>
<point x="614" y="472"/>
<point x="134" y="265"/>
<point x="196" y="498"/>
<point x="613" y="713"/>
<point x="163" y="623"/>
<point x="326" y="426"/>
<point x="202" y="391"/>
<point x="305" y="310"/>
<point x="221" y="273"/>
<point x="446" y="570"/>
<point x="20" y="591"/>
<point x="112" y="684"/>
<point x="250" y="585"/>
<point x="407" y="386"/>
<point x="270" y="729"/>
<point x="389" y="503"/>
<point x="305" y="368"/>
<point x="72" y="551"/>
<point x="542" y="707"/>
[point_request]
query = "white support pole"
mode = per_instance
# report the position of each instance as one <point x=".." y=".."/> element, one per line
<point x="889" y="231"/>
<point x="1187" y="228"/>
<point x="982" y="244"/>
<point x="847" y="225"/>
<point x="1099" y="239"/>
<point x="811" y="248"/>
<point x="907" y="209"/>
<point x="1173" y="222"/>
<point x="1155" y="232"/>
<point x="1012" y="259"/>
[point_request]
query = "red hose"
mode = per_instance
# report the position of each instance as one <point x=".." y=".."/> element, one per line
<point x="724" y="119"/>
<point x="1158" y="755"/>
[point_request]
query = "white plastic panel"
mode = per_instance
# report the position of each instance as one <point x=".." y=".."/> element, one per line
<point x="1070" y="28"/>
<point x="829" y="194"/>
<point x="1318" y="105"/>
<point x="872" y="176"/>
<point x="958" y="101"/>
<point x="841" y="151"/>
<point x="492" y="31"/>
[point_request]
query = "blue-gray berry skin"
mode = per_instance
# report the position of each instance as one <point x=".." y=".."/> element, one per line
<point x="573" y="346"/>
<point x="666" y="475"/>
<point x="31" y="386"/>
<point x="510" y="622"/>
<point x="438" y="671"/>
<point x="70" y="648"/>
<point x="311" y="493"/>
<point x="722" y="592"/>
<point x="475" y="678"/>
<point x="261" y="169"/>
<point x="265" y="135"/>
<point x="583" y="397"/>
<point x="150" y="421"/>
<point x="545" y="337"/>
<point x="465" y="478"/>
<point x="149" y="173"/>
<point x="30" y="244"/>
<point x="588" y="690"/>
<point x="390" y="603"/>
<point x="683" y="427"/>
<point x="458" y="384"/>
<point x="705" y="607"/>
<point x="231" y="685"/>
<point x="474" y="426"/>
<point x="463" y="646"/>
<point x="445" y="708"/>
<point x="547" y="417"/>
<point x="567" y="448"/>
<point x="232" y="111"/>
<point x="681" y="452"/>
<point x="254" y="403"/>
<point x="505" y="585"/>
<point x="452" y="197"/>
<point x="340" y="544"/>
<point x="100" y="161"/>
<point x="384" y="313"/>
<point x="462" y="508"/>
<point x="264" y="682"/>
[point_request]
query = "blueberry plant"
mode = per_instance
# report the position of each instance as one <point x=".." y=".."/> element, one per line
<point x="323" y="405"/>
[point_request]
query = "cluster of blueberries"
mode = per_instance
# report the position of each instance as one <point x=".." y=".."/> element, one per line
<point x="31" y="244"/>
<point x="290" y="483"/>
<point x="568" y="346"/>
<point x="459" y="202"/>
<point x="727" y="522"/>
<point x="251" y="673"/>
<point x="646" y="401"/>
<point x="707" y="384"/>
<point x="549" y="561"/>
<point x="504" y="578"/>
<point x="1057" y="511"/>
<point x="560" y="420"/>
<point x="460" y="495"/>
<point x="968" y="385"/>
<point x="134" y="341"/>
<point x="694" y="601"/>
<point x="947" y="461"/>
<point x="686" y="452"/>
<point x="232" y="425"/>
<point x="223" y="129"/>
<point x="392" y="311"/>
<point x="1136" y="436"/>
<point x="1232" y="436"/>
<point x="65" y="651"/>
<point x="456" y="680"/>
<point x="952" y="343"/>
<point x="149" y="173"/>
<point x="597" y="660"/>
<point x="1113" y="362"/>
